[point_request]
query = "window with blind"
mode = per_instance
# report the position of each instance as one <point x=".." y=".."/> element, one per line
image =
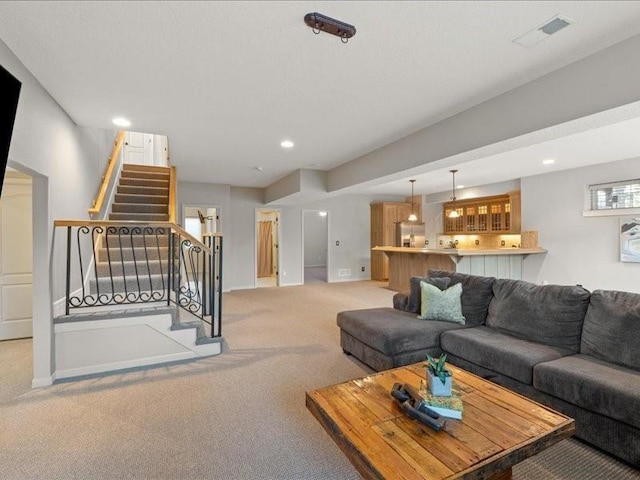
<point x="613" y="196"/>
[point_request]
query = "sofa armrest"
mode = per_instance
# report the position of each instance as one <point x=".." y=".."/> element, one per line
<point x="400" y="301"/>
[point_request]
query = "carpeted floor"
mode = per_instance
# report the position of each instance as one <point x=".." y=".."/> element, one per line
<point x="240" y="415"/>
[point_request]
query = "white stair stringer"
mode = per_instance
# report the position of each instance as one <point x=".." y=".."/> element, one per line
<point x="98" y="342"/>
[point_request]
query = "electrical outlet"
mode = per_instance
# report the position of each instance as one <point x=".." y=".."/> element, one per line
<point x="363" y="268"/>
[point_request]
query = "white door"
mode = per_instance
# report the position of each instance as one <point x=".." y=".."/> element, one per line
<point x="138" y="148"/>
<point x="16" y="279"/>
<point x="160" y="151"/>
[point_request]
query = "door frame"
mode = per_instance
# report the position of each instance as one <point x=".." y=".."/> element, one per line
<point x="278" y="212"/>
<point x="317" y="210"/>
<point x="43" y="249"/>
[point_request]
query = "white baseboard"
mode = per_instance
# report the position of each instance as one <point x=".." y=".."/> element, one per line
<point x="293" y="284"/>
<point x="343" y="279"/>
<point x="43" y="381"/>
<point x="243" y="287"/>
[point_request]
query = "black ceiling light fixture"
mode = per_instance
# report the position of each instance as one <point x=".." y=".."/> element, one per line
<point x="321" y="23"/>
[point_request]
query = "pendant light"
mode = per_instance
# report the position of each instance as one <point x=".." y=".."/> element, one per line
<point x="412" y="217"/>
<point x="454" y="212"/>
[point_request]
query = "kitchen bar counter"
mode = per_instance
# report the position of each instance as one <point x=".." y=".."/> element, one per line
<point x="459" y="252"/>
<point x="405" y="262"/>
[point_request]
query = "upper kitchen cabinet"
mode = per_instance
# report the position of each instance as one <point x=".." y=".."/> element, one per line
<point x="496" y="214"/>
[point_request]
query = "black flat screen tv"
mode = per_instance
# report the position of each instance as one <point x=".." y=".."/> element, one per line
<point x="9" y="94"/>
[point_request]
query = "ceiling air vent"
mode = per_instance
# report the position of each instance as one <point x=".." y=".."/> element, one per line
<point x="544" y="31"/>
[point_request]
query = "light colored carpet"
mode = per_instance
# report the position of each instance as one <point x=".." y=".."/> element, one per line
<point x="240" y="415"/>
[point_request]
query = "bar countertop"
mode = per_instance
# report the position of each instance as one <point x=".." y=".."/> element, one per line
<point x="462" y="252"/>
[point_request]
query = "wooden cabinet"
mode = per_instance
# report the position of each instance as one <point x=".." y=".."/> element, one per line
<point x="384" y="216"/>
<point x="497" y="214"/>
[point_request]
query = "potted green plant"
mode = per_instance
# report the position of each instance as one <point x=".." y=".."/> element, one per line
<point x="438" y="376"/>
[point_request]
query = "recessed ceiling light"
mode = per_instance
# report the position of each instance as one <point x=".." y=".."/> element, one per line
<point x="259" y="169"/>
<point x="548" y="161"/>
<point x="459" y="187"/>
<point x="121" y="122"/>
<point x="322" y="213"/>
<point x="286" y="144"/>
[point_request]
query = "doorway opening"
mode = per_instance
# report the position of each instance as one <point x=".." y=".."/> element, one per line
<point x="145" y="149"/>
<point x="16" y="256"/>
<point x="315" y="241"/>
<point x="267" y="248"/>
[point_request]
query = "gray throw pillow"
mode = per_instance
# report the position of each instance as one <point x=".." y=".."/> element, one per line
<point x="413" y="305"/>
<point x="477" y="293"/>
<point x="443" y="305"/>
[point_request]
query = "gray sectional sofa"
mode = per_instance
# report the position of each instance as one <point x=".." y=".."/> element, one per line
<point x="575" y="351"/>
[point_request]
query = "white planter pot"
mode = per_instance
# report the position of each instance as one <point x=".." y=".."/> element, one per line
<point x="437" y="388"/>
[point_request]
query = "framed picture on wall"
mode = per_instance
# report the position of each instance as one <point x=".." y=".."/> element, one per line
<point x="629" y="239"/>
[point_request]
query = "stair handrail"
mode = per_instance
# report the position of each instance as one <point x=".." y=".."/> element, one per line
<point x="136" y="223"/>
<point x="106" y="179"/>
<point x="192" y="279"/>
<point x="172" y="194"/>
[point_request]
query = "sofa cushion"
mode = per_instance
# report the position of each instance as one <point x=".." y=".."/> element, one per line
<point x="477" y="293"/>
<point x="415" y="293"/>
<point x="593" y="384"/>
<point x="611" y="328"/>
<point x="392" y="331"/>
<point x="549" y="314"/>
<point x="442" y="305"/>
<point x="501" y="353"/>
<point x="400" y="301"/>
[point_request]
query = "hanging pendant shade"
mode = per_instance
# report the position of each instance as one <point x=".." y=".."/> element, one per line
<point x="454" y="212"/>
<point x="412" y="217"/>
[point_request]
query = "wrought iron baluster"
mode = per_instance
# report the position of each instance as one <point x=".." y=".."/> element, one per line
<point x="68" y="286"/>
<point x="75" y="301"/>
<point x="95" y="230"/>
<point x="115" y="297"/>
<point x="219" y="319"/>
<point x="133" y="296"/>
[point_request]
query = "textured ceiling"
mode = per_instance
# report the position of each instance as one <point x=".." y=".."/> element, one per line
<point x="227" y="81"/>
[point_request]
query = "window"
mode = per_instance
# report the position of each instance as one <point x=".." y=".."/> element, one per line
<point x="609" y="198"/>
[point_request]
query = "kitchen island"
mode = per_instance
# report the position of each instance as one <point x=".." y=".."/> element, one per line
<point x="405" y="262"/>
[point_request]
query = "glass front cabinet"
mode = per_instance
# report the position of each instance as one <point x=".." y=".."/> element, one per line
<point x="496" y="214"/>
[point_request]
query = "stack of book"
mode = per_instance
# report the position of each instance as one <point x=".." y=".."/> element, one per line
<point x="449" y="407"/>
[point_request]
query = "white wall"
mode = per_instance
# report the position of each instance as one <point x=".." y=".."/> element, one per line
<point x="315" y="239"/>
<point x="59" y="156"/>
<point x="242" y="257"/>
<point x="582" y="250"/>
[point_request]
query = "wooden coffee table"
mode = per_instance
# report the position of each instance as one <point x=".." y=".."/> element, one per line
<point x="499" y="428"/>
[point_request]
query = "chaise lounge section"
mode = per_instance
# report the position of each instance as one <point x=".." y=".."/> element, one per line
<point x="575" y="351"/>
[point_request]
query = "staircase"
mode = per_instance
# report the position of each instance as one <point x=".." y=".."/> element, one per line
<point x="134" y="316"/>
<point x="142" y="194"/>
